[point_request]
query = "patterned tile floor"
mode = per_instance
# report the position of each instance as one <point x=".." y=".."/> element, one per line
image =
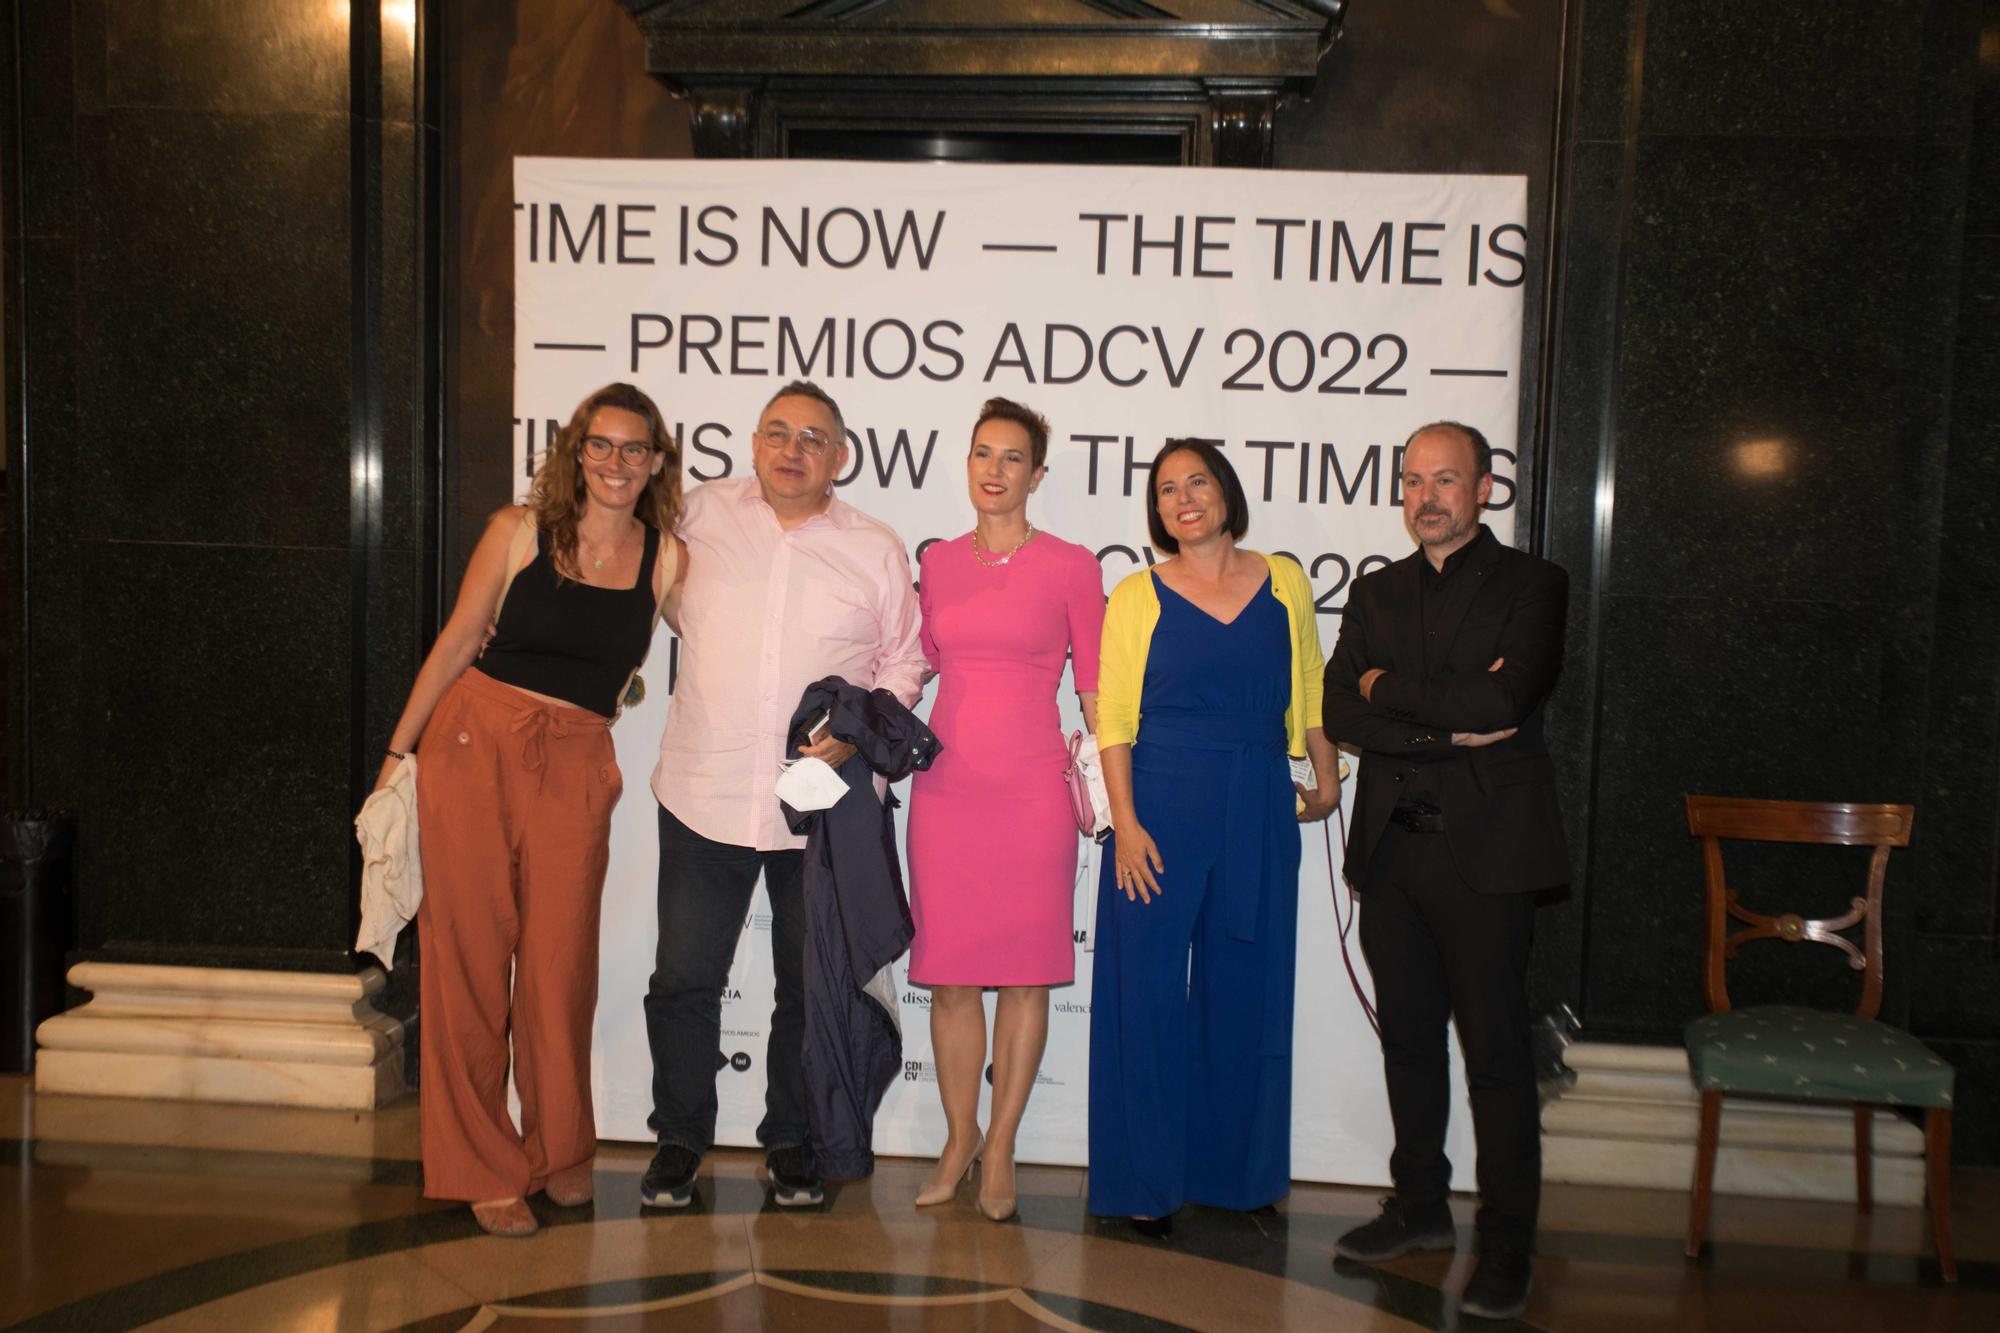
<point x="125" y="1214"/>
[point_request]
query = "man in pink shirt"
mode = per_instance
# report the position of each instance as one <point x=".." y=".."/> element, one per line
<point x="786" y="584"/>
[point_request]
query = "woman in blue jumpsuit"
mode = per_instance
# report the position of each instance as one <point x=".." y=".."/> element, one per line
<point x="1191" y="1003"/>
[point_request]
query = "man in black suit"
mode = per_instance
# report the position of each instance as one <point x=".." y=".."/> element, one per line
<point x="1443" y="664"/>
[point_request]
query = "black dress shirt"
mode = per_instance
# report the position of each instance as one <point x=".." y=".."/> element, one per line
<point x="1434" y="585"/>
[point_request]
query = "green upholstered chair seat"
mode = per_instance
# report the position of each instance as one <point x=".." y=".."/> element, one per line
<point x="1785" y="1050"/>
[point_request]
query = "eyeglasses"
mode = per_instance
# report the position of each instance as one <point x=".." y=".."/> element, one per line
<point x="635" y="453"/>
<point x="811" y="442"/>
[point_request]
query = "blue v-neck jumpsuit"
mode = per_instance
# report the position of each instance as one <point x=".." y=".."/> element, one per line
<point x="1191" y="997"/>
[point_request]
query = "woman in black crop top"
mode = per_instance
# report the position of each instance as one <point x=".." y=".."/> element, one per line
<point x="515" y="789"/>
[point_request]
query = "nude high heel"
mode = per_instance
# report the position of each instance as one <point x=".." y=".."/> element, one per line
<point x="932" y="1194"/>
<point x="995" y="1209"/>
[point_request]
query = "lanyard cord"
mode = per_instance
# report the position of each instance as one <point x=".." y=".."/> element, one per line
<point x="1345" y="923"/>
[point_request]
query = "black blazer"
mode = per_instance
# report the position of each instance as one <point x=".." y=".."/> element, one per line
<point x="1499" y="800"/>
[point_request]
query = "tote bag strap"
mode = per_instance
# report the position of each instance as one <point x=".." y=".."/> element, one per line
<point x="520" y="554"/>
<point x="669" y="564"/>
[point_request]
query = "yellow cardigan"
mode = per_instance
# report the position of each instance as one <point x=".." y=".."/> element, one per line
<point x="1129" y="618"/>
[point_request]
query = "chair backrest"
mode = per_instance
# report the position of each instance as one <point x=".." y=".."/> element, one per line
<point x="1713" y="818"/>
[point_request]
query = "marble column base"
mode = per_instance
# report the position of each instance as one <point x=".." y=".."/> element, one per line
<point x="1634" y="1114"/>
<point x="224" y="1035"/>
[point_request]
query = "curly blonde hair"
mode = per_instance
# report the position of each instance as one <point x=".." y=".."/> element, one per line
<point x="557" y="496"/>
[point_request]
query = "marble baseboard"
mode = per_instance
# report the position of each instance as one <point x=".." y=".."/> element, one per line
<point x="1633" y="1116"/>
<point x="224" y="1035"/>
<point x="1755" y="1172"/>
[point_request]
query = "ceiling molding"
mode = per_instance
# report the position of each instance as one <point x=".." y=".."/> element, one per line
<point x="1271" y="42"/>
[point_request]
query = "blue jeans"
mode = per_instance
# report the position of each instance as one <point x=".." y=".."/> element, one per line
<point x="704" y="898"/>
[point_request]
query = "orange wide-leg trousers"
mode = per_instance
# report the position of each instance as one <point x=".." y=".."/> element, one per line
<point x="514" y="798"/>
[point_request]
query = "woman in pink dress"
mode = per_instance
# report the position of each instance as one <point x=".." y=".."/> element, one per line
<point x="992" y="843"/>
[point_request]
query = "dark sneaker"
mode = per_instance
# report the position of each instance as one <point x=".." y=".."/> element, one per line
<point x="669" y="1181"/>
<point x="1499" y="1285"/>
<point x="795" y="1183"/>
<point x="1397" y="1232"/>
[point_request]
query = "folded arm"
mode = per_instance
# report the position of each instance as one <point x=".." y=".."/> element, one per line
<point x="1530" y="652"/>
<point x="1350" y="718"/>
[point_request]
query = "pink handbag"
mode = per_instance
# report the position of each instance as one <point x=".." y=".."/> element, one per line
<point x="1082" y="807"/>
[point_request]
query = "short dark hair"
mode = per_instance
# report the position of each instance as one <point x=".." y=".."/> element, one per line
<point x="1027" y="418"/>
<point x="1482" y="452"/>
<point x="807" y="389"/>
<point x="1218" y="467"/>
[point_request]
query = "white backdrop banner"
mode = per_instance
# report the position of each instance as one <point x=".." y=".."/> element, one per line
<point x="1306" y="321"/>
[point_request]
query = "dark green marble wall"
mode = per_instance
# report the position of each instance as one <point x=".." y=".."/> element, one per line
<point x="221" y="486"/>
<point x="1771" y="473"/>
<point x="1768" y="456"/>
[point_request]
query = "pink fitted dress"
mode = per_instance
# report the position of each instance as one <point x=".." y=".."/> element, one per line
<point x="992" y="843"/>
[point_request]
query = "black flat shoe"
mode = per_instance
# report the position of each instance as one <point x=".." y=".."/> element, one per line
<point x="1155" y="1228"/>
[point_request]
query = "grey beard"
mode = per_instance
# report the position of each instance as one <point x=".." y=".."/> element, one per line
<point x="1452" y="531"/>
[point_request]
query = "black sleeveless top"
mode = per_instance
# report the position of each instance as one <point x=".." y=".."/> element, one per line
<point x="570" y="640"/>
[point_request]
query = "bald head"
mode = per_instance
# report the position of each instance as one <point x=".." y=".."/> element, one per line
<point x="1447" y="477"/>
<point x="1469" y="436"/>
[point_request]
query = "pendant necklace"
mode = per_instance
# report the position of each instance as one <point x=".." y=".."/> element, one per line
<point x="597" y="562"/>
<point x="995" y="564"/>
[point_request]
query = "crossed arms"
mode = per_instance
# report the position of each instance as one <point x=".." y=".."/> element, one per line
<point x="1372" y="704"/>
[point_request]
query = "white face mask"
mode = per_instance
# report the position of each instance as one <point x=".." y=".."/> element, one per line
<point x="810" y="784"/>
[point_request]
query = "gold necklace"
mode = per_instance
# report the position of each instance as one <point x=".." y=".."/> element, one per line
<point x="995" y="564"/>
<point x="597" y="562"/>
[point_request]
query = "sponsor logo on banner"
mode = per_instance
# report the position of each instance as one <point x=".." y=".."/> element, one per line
<point x="919" y="1071"/>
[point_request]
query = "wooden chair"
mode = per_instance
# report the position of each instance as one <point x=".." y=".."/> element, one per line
<point x="1793" y="1052"/>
